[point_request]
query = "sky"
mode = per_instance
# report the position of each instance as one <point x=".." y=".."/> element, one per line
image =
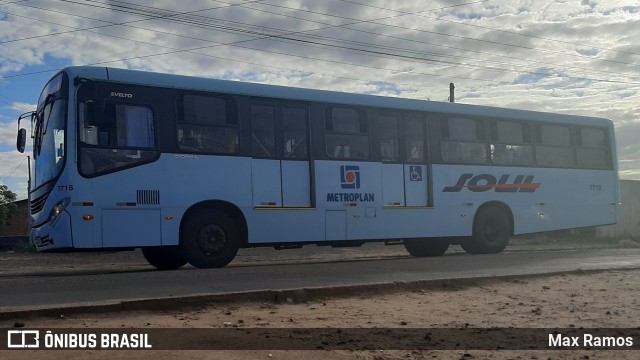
<point x="578" y="57"/>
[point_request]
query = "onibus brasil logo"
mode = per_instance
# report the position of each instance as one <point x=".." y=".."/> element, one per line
<point x="32" y="339"/>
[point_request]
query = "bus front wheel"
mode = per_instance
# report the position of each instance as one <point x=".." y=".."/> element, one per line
<point x="426" y="247"/>
<point x="491" y="232"/>
<point x="209" y="239"/>
<point x="164" y="257"/>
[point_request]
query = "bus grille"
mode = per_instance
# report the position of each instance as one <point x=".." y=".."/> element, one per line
<point x="42" y="241"/>
<point x="148" y="197"/>
<point x="38" y="203"/>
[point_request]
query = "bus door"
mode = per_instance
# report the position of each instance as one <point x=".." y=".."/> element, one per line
<point x="401" y="139"/>
<point x="280" y="156"/>
<point x="393" y="193"/>
<point x="416" y="180"/>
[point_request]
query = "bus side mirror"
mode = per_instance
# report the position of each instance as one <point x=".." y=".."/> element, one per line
<point x="22" y="140"/>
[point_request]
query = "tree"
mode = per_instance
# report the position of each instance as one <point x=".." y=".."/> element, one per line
<point x="7" y="204"/>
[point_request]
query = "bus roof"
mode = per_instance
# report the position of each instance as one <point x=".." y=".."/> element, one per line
<point x="302" y="94"/>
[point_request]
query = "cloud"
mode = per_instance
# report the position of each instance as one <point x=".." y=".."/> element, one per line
<point x="498" y="53"/>
<point x="8" y="133"/>
<point x="23" y="107"/>
<point x="9" y="129"/>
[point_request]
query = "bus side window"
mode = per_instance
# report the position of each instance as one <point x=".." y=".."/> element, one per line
<point x="120" y="126"/>
<point x="511" y="143"/>
<point x="88" y="129"/>
<point x="122" y="137"/>
<point x="414" y="140"/>
<point x="387" y="138"/>
<point x="263" y="131"/>
<point x="207" y="124"/>
<point x="346" y="134"/>
<point x="294" y="130"/>
<point x="463" y="141"/>
<point x="134" y="126"/>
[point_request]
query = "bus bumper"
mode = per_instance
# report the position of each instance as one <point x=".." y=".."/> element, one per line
<point x="53" y="236"/>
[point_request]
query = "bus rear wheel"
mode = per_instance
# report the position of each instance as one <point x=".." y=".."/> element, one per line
<point x="491" y="232"/>
<point x="164" y="257"/>
<point x="426" y="247"/>
<point x="209" y="239"/>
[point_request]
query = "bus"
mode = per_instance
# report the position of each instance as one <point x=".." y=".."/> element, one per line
<point x="193" y="169"/>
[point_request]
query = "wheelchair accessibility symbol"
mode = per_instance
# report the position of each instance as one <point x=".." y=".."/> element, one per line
<point x="415" y="173"/>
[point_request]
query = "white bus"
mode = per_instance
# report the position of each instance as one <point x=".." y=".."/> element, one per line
<point x="192" y="169"/>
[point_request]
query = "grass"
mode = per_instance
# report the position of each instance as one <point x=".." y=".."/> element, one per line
<point x="571" y="239"/>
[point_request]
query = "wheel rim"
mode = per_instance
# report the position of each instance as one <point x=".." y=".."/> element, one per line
<point x="491" y="231"/>
<point x="211" y="239"/>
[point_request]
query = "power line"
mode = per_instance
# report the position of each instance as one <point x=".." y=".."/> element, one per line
<point x="432" y="44"/>
<point x="190" y="50"/>
<point x="492" y="29"/>
<point x="398" y="14"/>
<point x="280" y="37"/>
<point x="13" y="103"/>
<point x="111" y="24"/>
<point x="267" y="36"/>
<point x="194" y="23"/>
<point x="497" y="42"/>
<point x="379" y="53"/>
<point x="14" y="170"/>
<point x="452" y="35"/>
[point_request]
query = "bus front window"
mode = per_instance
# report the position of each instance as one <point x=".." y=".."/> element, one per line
<point x="48" y="132"/>
<point x="49" y="142"/>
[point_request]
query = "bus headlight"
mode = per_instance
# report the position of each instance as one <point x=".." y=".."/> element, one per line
<point x="57" y="210"/>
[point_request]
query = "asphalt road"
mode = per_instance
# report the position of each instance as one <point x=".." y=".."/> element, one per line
<point x="41" y="290"/>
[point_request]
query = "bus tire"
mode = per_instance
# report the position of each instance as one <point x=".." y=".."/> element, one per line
<point x="468" y="245"/>
<point x="210" y="239"/>
<point x="164" y="257"/>
<point x="426" y="247"/>
<point x="491" y="232"/>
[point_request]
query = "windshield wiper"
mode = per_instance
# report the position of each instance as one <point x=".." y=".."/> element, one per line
<point x="48" y="101"/>
<point x="40" y="124"/>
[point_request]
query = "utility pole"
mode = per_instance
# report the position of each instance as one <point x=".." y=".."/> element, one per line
<point x="452" y="92"/>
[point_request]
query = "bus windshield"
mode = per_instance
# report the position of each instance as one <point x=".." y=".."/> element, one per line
<point x="49" y="133"/>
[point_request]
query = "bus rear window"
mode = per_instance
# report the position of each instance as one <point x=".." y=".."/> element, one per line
<point x="554" y="146"/>
<point x="593" y="149"/>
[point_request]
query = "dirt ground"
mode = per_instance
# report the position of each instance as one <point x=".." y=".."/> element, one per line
<point x="607" y="299"/>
